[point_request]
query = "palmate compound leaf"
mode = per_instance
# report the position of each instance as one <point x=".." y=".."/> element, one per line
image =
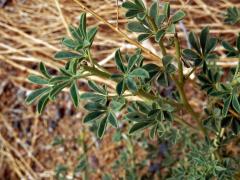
<point x="233" y="15"/>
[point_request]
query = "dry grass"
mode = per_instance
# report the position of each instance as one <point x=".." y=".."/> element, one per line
<point x="30" y="32"/>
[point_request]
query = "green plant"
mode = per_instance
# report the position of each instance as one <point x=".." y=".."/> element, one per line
<point x="158" y="114"/>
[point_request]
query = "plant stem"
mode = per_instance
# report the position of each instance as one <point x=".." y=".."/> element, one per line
<point x="155" y="29"/>
<point x="140" y="93"/>
<point x="90" y="57"/>
<point x="162" y="47"/>
<point x="180" y="85"/>
<point x="178" y="56"/>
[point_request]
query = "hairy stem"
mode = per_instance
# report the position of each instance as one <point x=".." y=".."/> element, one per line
<point x="180" y="85"/>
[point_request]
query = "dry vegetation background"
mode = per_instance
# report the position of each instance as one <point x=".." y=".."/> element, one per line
<point x="30" y="32"/>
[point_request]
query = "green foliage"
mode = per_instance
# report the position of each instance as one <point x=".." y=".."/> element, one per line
<point x="203" y="48"/>
<point x="151" y="22"/>
<point x="232" y="15"/>
<point x="151" y="98"/>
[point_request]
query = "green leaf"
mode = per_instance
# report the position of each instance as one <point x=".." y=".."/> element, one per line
<point x="235" y="103"/>
<point x="91" y="33"/>
<point x="139" y="72"/>
<point x="167" y="60"/>
<point x="93" y="106"/>
<point x="194" y="42"/>
<point x="102" y="127"/>
<point x="143" y="37"/>
<point x="74" y="94"/>
<point x="120" y="88"/>
<point x="37" y="79"/>
<point x="75" y="34"/>
<point x="139" y="3"/>
<point x="59" y="79"/>
<point x="226" y="105"/>
<point x="160" y="34"/>
<point x="166" y="9"/>
<point x="133" y="61"/>
<point x="204" y="38"/>
<point x="171" y="29"/>
<point x="83" y="25"/>
<point x="92" y="96"/>
<point x="139" y="126"/>
<point x="42" y="103"/>
<point x="119" y="61"/>
<point x="117" y="104"/>
<point x="130" y="5"/>
<point x="137" y="27"/>
<point x="112" y="119"/>
<point x="163" y="79"/>
<point x="211" y="45"/>
<point x="35" y="94"/>
<point x="92" y="85"/>
<point x="131" y="14"/>
<point x="44" y="70"/>
<point x="67" y="55"/>
<point x="160" y="19"/>
<point x="233" y="15"/>
<point x="153" y="12"/>
<point x="227" y="46"/>
<point x="92" y="116"/>
<point x="69" y="43"/>
<point x="73" y="66"/>
<point x="57" y="89"/>
<point x="190" y="54"/>
<point x="178" y="16"/>
<point x="131" y="84"/>
<point x="66" y="72"/>
<point x="153" y="132"/>
<point x="141" y="16"/>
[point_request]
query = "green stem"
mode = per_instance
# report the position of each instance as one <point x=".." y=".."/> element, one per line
<point x="140" y="93"/>
<point x="182" y="121"/>
<point x="155" y="29"/>
<point x="162" y="47"/>
<point x="178" y="56"/>
<point x="180" y="85"/>
<point x="90" y="57"/>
